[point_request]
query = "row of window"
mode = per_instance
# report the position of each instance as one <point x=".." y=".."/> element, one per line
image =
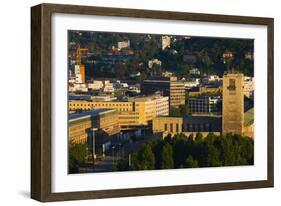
<point x="85" y="104"/>
<point x="171" y="127"/>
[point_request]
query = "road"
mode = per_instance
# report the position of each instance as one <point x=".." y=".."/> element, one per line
<point x="106" y="165"/>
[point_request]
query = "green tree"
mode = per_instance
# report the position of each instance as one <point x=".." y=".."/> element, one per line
<point x="198" y="137"/>
<point x="180" y="151"/>
<point x="146" y="158"/>
<point x="167" y="161"/>
<point x="77" y="154"/>
<point x="134" y="161"/>
<point x="190" y="162"/>
<point x="191" y="136"/>
<point x="179" y="148"/>
<point x="213" y="156"/>
<point x="228" y="154"/>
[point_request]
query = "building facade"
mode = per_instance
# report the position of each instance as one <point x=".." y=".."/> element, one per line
<point x="249" y="87"/>
<point x="134" y="113"/>
<point x="233" y="103"/>
<point x="162" y="106"/>
<point x="167" y="86"/>
<point x="187" y="126"/>
<point x="177" y="93"/>
<point x="79" y="71"/>
<point x="123" y="44"/>
<point x="156" y="84"/>
<point x="204" y="104"/>
<point x="203" y="124"/>
<point x="80" y="125"/>
<point x="172" y="125"/>
<point x="199" y="90"/>
<point x="166" y="41"/>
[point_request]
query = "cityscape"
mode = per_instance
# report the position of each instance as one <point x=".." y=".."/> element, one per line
<point x="158" y="101"/>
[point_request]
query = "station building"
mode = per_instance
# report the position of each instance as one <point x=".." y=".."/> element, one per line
<point x="134" y="113"/>
<point x="102" y="121"/>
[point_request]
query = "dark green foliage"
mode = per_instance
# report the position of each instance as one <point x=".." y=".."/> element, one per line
<point x="198" y="137"/>
<point x="134" y="159"/>
<point x="122" y="165"/>
<point x="191" y="136"/>
<point x="180" y="152"/>
<point x="185" y="152"/>
<point x="190" y="162"/>
<point x="144" y="159"/>
<point x="157" y="148"/>
<point x="167" y="161"/>
<point x="76" y="155"/>
<point x="207" y="53"/>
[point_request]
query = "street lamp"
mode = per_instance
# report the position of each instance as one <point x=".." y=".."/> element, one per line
<point x="93" y="130"/>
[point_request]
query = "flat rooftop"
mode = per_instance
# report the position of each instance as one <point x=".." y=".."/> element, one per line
<point x="89" y="113"/>
<point x="249" y="116"/>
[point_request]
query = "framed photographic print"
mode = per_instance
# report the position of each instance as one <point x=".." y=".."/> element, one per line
<point x="132" y="102"/>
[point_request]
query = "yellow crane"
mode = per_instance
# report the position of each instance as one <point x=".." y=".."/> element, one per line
<point x="79" y="52"/>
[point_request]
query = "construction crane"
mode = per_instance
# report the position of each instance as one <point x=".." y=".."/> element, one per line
<point x="79" y="52"/>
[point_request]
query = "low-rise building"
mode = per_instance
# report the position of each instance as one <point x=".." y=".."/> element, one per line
<point x="108" y="87"/>
<point x="192" y="83"/>
<point x="95" y="85"/>
<point x="227" y="55"/>
<point x="81" y="125"/>
<point x="134" y="113"/>
<point x="187" y="126"/>
<point x="103" y="98"/>
<point x="248" y="87"/>
<point x="194" y="71"/>
<point x="166" y="41"/>
<point x="211" y="79"/>
<point x="123" y="44"/>
<point x="154" y="61"/>
<point x="78" y="87"/>
<point x="172" y="125"/>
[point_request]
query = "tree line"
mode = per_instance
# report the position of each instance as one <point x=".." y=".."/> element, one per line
<point x="191" y="152"/>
